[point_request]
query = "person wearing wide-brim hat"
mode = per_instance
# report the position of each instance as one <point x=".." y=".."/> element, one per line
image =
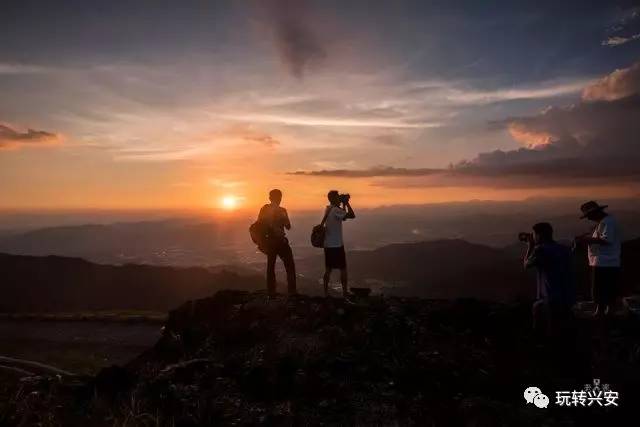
<point x="604" y="250"/>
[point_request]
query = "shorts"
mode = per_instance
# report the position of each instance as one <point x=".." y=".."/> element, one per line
<point x="604" y="284"/>
<point x="335" y="258"/>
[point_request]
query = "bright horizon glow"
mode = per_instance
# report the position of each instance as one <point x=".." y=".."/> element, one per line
<point x="230" y="202"/>
<point x="210" y="105"/>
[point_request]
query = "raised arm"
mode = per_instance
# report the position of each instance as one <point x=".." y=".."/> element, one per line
<point x="530" y="257"/>
<point x="604" y="236"/>
<point x="350" y="213"/>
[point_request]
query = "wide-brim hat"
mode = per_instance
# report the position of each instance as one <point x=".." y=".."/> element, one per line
<point x="591" y="207"/>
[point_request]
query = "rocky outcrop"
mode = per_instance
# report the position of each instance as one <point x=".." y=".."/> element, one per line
<point x="238" y="358"/>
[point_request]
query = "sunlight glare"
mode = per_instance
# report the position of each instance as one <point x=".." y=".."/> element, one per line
<point x="229" y="202"/>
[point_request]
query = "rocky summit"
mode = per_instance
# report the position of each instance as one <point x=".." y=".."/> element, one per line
<point x="239" y="358"/>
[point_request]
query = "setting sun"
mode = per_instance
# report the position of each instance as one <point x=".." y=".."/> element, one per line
<point x="229" y="202"/>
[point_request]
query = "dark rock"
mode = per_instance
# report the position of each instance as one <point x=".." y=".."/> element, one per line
<point x="239" y="359"/>
<point x="112" y="381"/>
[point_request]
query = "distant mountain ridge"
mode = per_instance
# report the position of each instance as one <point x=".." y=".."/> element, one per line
<point x="55" y="283"/>
<point x="203" y="240"/>
<point x="437" y="269"/>
<point x="450" y="268"/>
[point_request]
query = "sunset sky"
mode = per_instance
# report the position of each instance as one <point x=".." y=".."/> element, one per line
<point x="209" y="104"/>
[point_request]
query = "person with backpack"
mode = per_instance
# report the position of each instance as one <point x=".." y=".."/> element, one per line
<point x="338" y="211"/>
<point x="272" y="222"/>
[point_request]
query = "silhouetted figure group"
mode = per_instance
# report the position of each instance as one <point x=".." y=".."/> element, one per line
<point x="272" y="222"/>
<point x="556" y="292"/>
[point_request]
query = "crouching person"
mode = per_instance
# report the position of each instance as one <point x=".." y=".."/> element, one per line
<point x="552" y="311"/>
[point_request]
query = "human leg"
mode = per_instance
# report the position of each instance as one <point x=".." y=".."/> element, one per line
<point x="325" y="280"/>
<point x="286" y="255"/>
<point x="271" y="272"/>
<point x="344" y="281"/>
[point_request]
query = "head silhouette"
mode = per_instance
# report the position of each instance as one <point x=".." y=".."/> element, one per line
<point x="334" y="197"/>
<point x="542" y="232"/>
<point x="275" y="196"/>
<point x="593" y="211"/>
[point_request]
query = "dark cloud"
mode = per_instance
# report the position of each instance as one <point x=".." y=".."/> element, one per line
<point x="298" y="45"/>
<point x="379" y="171"/>
<point x="595" y="140"/>
<point x="11" y="138"/>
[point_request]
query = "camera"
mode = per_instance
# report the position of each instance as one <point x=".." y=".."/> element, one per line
<point x="525" y="237"/>
<point x="344" y="198"/>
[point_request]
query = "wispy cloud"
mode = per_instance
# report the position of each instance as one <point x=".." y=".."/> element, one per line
<point x="544" y="91"/>
<point x="11" y="138"/>
<point x="160" y="154"/>
<point x="8" y="68"/>
<point x="378" y="171"/>
<point x="594" y="140"/>
<point x="618" y="40"/>
<point x="298" y="120"/>
<point x="624" y="29"/>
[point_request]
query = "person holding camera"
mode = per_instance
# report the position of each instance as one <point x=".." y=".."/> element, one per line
<point x="555" y="286"/>
<point x="338" y="211"/>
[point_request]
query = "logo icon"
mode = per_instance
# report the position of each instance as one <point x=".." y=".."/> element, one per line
<point x="541" y="401"/>
<point x="534" y="395"/>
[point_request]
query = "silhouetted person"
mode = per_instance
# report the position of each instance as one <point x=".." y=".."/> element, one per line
<point x="604" y="249"/>
<point x="338" y="211"/>
<point x="276" y="219"/>
<point x="555" y="285"/>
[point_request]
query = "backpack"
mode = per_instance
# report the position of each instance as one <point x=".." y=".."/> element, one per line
<point x="319" y="232"/>
<point x="259" y="233"/>
<point x="317" y="236"/>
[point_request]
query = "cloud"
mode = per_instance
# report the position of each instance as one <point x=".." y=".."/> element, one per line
<point x="528" y="137"/>
<point x="10" y="68"/>
<point x="547" y="90"/>
<point x="11" y="138"/>
<point x="263" y="139"/>
<point x="619" y="40"/>
<point x="378" y="171"/>
<point x="626" y="22"/>
<point x="594" y="140"/>
<point x="297" y="44"/>
<point x="338" y="122"/>
<point x="618" y="84"/>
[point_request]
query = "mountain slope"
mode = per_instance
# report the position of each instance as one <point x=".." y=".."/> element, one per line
<point x="67" y="284"/>
<point x="238" y="359"/>
<point x="436" y="269"/>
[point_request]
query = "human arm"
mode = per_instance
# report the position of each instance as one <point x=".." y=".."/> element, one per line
<point x="603" y="235"/>
<point x="285" y="220"/>
<point x="350" y="213"/>
<point x="531" y="255"/>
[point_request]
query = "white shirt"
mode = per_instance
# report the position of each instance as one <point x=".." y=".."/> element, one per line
<point x="333" y="235"/>
<point x="606" y="255"/>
